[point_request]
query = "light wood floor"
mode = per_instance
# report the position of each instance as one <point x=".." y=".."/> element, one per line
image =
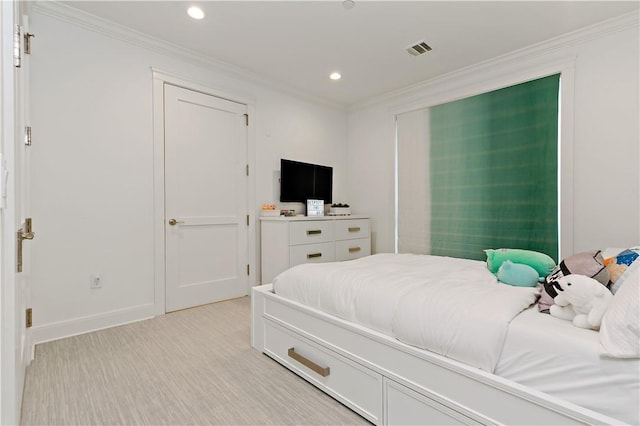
<point x="189" y="367"/>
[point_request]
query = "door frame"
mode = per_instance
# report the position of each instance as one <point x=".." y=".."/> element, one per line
<point x="159" y="78"/>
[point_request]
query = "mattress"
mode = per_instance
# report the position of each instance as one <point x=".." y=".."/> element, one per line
<point x="404" y="295"/>
<point x="551" y="355"/>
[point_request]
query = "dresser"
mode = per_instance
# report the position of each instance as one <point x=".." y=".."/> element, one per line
<point x="290" y="241"/>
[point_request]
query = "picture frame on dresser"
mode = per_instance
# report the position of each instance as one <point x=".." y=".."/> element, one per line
<point x="315" y="207"/>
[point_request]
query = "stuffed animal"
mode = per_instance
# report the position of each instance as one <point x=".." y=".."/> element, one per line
<point x="589" y="263"/>
<point x="580" y="299"/>
<point x="517" y="274"/>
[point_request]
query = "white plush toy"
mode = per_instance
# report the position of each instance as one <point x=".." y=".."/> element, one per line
<point x="581" y="299"/>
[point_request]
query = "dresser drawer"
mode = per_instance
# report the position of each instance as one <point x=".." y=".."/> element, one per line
<point x="353" y="249"/>
<point x="354" y="385"/>
<point x="322" y="252"/>
<point x="309" y="232"/>
<point x="350" y="229"/>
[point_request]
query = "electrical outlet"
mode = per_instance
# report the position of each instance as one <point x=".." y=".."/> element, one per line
<point x="96" y="281"/>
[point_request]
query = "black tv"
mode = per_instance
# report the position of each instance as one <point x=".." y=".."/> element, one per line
<point x="301" y="181"/>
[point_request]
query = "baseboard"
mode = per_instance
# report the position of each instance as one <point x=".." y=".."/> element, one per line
<point x="58" y="330"/>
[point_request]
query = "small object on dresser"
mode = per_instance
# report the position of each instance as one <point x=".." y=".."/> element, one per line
<point x="315" y="207"/>
<point x="339" y="209"/>
<point x="269" y="210"/>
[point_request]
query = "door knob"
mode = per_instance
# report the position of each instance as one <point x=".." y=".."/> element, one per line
<point x="174" y="222"/>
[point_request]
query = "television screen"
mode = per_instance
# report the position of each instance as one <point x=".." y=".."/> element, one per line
<point x="301" y="181"/>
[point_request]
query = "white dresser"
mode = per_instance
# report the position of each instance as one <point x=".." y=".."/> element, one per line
<point x="289" y="241"/>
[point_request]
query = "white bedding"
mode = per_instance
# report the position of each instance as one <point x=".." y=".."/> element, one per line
<point x="553" y="356"/>
<point x="405" y="295"/>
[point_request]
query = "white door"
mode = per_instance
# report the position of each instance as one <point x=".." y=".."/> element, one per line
<point x="206" y="230"/>
<point x="23" y="200"/>
<point x="15" y="348"/>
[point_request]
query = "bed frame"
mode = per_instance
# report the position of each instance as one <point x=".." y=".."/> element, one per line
<point x="388" y="382"/>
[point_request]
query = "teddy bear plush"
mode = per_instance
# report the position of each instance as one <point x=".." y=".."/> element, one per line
<point x="582" y="300"/>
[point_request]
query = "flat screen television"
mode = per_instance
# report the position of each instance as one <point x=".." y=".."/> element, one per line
<point x="301" y="181"/>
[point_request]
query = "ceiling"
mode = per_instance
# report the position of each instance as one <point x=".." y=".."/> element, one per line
<point x="298" y="43"/>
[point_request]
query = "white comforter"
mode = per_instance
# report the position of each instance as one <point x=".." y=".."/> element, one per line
<point x="454" y="307"/>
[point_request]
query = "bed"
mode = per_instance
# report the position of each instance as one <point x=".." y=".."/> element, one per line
<point x="381" y="335"/>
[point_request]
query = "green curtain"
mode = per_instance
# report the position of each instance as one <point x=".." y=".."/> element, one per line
<point x="494" y="171"/>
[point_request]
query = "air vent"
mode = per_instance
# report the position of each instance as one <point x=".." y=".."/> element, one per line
<point x="419" y="49"/>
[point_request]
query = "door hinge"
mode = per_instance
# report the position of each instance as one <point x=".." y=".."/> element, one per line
<point x="29" y="318"/>
<point x="27" y="136"/>
<point x="27" y="43"/>
<point x="246" y="119"/>
<point x="247" y="220"/>
<point x="247" y="169"/>
<point x="17" y="41"/>
<point x="248" y="269"/>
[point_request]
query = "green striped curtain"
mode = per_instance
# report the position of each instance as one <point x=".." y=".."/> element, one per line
<point x="494" y="171"/>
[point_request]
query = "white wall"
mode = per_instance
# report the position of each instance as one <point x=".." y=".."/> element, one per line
<point x="606" y="192"/>
<point x="92" y="186"/>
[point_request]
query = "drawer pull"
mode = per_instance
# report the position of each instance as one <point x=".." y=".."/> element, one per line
<point x="354" y="249"/>
<point x="323" y="371"/>
<point x="354" y="229"/>
<point x="314" y="231"/>
<point x="312" y="255"/>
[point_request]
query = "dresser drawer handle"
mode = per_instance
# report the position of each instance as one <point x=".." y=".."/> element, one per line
<point x="314" y="231"/>
<point x="354" y="229"/>
<point x="354" y="249"/>
<point x="323" y="371"/>
<point x="312" y="255"/>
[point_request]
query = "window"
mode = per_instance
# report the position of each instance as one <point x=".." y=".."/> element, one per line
<point x="481" y="172"/>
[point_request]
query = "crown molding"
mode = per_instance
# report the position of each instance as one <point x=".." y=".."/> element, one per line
<point x="55" y="9"/>
<point x="82" y="19"/>
<point x="580" y="36"/>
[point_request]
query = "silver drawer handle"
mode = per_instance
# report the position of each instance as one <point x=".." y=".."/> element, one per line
<point x="354" y="249"/>
<point x="312" y="255"/>
<point x="323" y="371"/>
<point x="314" y="231"/>
<point x="354" y="229"/>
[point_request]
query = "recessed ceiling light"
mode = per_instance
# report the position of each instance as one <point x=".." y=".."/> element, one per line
<point x="195" y="12"/>
<point x="335" y="76"/>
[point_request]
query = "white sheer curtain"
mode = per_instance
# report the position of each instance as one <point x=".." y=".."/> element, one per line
<point x="414" y="210"/>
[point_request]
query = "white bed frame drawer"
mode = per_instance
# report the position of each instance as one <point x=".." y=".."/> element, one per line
<point x="353" y="249"/>
<point x="323" y="252"/>
<point x="352" y="229"/>
<point x="310" y="232"/>
<point x="407" y="407"/>
<point x="353" y="385"/>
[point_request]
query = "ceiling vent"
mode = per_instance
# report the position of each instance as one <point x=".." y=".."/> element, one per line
<point x="419" y="49"/>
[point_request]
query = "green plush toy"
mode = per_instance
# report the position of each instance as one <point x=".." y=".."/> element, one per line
<point x="542" y="263"/>
<point x="517" y="274"/>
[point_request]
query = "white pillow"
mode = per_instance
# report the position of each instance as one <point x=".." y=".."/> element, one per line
<point x="620" y="329"/>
